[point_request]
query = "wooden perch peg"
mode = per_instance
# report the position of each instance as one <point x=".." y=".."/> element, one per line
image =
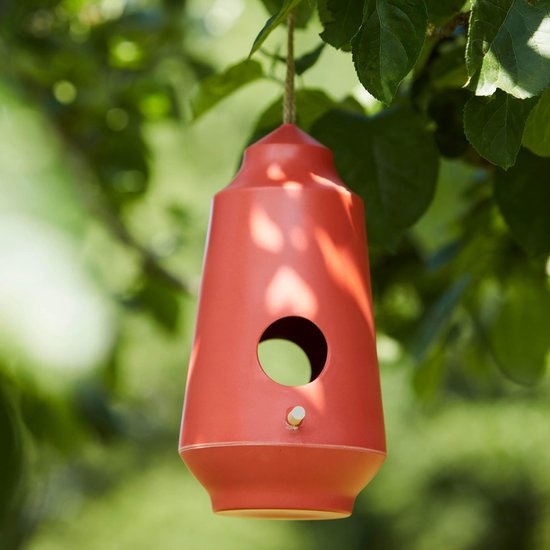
<point x="296" y="416"/>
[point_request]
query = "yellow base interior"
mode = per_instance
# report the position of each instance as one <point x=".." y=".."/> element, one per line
<point x="284" y="514"/>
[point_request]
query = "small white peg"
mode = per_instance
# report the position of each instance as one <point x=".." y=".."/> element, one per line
<point x="296" y="416"/>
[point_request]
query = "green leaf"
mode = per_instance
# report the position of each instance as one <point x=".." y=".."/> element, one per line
<point x="272" y="23"/>
<point x="437" y="318"/>
<point x="341" y="20"/>
<point x="519" y="333"/>
<point x="428" y="376"/>
<point x="508" y="47"/>
<point x="218" y="86"/>
<point x="388" y="44"/>
<point x="306" y="61"/>
<point x="441" y="11"/>
<point x="389" y="159"/>
<point x="523" y="196"/>
<point x="304" y="10"/>
<point x="536" y="135"/>
<point x="494" y="126"/>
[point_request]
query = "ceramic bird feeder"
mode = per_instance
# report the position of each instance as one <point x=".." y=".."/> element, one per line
<point x="286" y="258"/>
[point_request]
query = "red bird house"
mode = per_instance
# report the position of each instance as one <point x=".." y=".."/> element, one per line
<point x="286" y="258"/>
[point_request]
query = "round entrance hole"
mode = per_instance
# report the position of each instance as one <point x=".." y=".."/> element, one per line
<point x="292" y="351"/>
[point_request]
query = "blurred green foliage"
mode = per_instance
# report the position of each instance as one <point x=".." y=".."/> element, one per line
<point x="106" y="169"/>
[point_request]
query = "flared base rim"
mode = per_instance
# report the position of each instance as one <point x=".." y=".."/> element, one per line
<point x="292" y="482"/>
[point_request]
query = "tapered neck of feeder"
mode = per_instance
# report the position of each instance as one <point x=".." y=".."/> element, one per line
<point x="288" y="151"/>
<point x="288" y="133"/>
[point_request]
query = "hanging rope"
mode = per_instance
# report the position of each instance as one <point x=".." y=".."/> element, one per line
<point x="289" y="102"/>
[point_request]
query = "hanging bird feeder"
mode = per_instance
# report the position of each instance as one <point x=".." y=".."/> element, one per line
<point x="286" y="258"/>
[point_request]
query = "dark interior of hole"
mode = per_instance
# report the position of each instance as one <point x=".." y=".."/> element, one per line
<point x="303" y="333"/>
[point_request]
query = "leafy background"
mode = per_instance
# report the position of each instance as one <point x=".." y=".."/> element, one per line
<point x="118" y="121"/>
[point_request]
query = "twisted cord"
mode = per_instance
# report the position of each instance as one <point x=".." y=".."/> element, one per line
<point x="289" y="103"/>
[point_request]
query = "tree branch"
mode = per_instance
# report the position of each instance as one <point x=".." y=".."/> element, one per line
<point x="449" y="28"/>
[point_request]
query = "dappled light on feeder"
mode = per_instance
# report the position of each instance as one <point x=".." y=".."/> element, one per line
<point x="265" y="233"/>
<point x="323" y="181"/>
<point x="343" y="268"/>
<point x="293" y="188"/>
<point x="287" y="290"/>
<point x="283" y="415"/>
<point x="275" y="172"/>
